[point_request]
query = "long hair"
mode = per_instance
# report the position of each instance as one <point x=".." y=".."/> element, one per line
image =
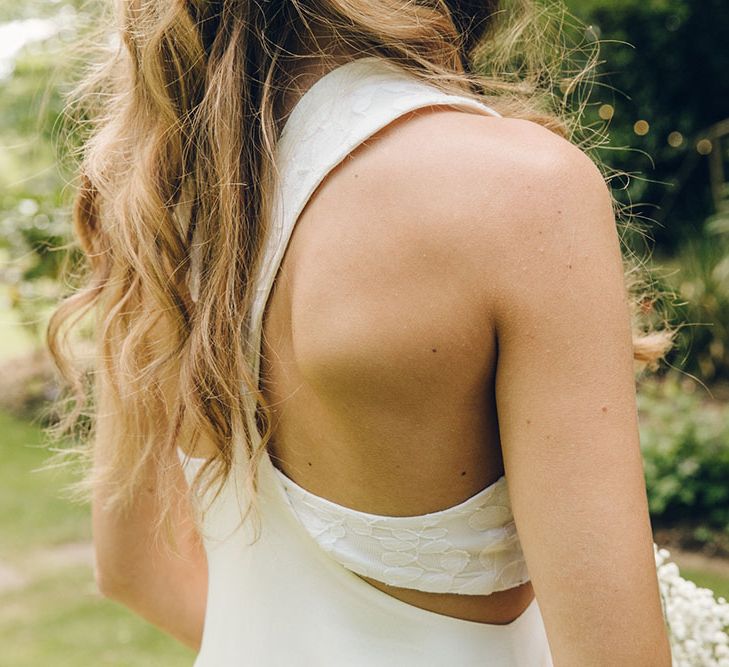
<point x="178" y="161"/>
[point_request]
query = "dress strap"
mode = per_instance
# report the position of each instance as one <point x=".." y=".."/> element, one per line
<point x="340" y="111"/>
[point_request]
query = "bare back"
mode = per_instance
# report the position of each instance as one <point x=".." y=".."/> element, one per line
<point x="377" y="359"/>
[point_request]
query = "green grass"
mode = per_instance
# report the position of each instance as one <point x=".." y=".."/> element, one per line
<point x="59" y="618"/>
<point x="717" y="583"/>
<point x="33" y="513"/>
<point x="62" y="621"/>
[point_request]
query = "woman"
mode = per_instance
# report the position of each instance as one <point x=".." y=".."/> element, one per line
<point x="346" y="300"/>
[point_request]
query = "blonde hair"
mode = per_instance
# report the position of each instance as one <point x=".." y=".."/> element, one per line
<point x="180" y="121"/>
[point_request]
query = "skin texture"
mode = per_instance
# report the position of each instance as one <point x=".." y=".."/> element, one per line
<point x="450" y="308"/>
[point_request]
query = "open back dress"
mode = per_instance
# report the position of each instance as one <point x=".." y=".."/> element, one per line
<point x="285" y="589"/>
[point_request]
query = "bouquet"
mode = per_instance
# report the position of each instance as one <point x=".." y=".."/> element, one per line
<point x="697" y="622"/>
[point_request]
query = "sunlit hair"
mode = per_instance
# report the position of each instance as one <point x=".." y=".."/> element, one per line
<point x="178" y="120"/>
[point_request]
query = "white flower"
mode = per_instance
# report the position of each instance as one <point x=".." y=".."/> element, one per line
<point x="697" y="622"/>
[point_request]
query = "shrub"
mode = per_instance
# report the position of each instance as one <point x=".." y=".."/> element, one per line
<point x="28" y="386"/>
<point x="701" y="279"/>
<point x="685" y="444"/>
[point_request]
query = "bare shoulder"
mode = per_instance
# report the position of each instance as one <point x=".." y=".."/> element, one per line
<point x="494" y="192"/>
<point x="471" y="160"/>
<point x="451" y="147"/>
<point x="489" y="202"/>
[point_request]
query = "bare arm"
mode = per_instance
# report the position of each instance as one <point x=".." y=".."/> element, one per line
<point x="566" y="405"/>
<point x="168" y="590"/>
<point x="521" y="220"/>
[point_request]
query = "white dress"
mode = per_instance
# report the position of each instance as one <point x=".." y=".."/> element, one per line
<point x="285" y="598"/>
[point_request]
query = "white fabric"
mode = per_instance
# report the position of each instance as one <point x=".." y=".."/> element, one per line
<point x="472" y="548"/>
<point x="280" y="596"/>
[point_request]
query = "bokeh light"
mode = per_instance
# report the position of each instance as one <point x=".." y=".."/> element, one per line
<point x="675" y="139"/>
<point x="641" y="127"/>
<point x="606" y="111"/>
<point x="704" y="146"/>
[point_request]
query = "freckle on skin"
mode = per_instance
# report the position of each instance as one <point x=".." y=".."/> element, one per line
<point x="463" y="474"/>
<point x="309" y="463"/>
<point x="529" y="421"/>
<point x="604" y="408"/>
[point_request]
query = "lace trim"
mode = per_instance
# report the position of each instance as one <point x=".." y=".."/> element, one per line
<point x="471" y="548"/>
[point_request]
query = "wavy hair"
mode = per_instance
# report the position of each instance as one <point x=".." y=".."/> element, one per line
<point x="180" y="125"/>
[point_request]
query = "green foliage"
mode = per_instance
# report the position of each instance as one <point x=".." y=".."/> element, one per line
<point x="702" y="281"/>
<point x="14" y="336"/>
<point x="665" y="63"/>
<point x="685" y="444"/>
<point x="29" y="386"/>
<point x="34" y="202"/>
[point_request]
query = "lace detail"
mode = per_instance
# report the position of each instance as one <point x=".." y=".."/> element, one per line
<point x="472" y="548"/>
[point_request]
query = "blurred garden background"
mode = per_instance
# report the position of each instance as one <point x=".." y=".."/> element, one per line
<point x="664" y="95"/>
